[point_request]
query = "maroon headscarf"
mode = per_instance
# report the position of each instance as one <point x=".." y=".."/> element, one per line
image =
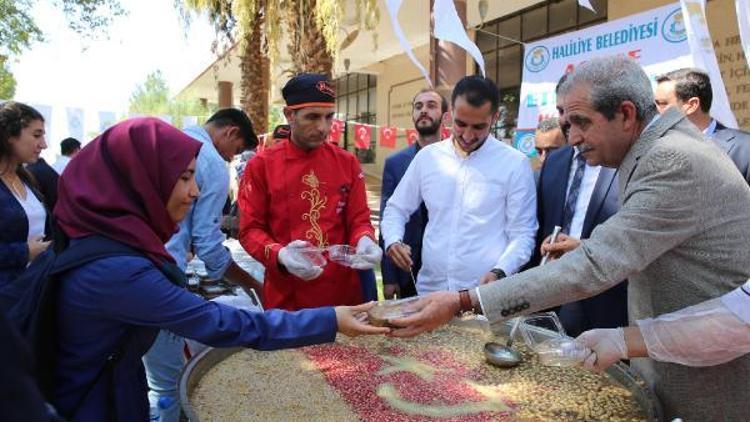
<point x="119" y="184"/>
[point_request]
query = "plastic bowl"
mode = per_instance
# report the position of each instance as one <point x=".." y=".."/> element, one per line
<point x="561" y="352"/>
<point x="312" y="255"/>
<point x="344" y="255"/>
<point x="385" y="310"/>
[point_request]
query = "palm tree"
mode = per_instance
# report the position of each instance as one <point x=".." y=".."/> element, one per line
<point x="313" y="28"/>
<point x="307" y="46"/>
<point x="255" y="68"/>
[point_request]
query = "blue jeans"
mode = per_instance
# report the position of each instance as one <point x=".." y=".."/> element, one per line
<point x="163" y="363"/>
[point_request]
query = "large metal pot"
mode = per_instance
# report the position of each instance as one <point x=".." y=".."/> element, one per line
<point x="200" y="364"/>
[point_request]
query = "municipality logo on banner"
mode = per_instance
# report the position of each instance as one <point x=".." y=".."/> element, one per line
<point x="657" y="39"/>
<point x="537" y="59"/>
<point x="673" y="28"/>
<point x="524" y="142"/>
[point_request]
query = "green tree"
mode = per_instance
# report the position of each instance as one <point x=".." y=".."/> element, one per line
<point x="152" y="98"/>
<point x="89" y="18"/>
<point x="255" y="27"/>
<point x="7" y="81"/>
<point x="18" y="29"/>
<point x="275" y="118"/>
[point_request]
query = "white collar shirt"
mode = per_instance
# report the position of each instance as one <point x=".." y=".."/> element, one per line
<point x="710" y="129"/>
<point x="590" y="176"/>
<point x="481" y="208"/>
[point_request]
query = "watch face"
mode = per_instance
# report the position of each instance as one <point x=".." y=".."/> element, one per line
<point x="498" y="273"/>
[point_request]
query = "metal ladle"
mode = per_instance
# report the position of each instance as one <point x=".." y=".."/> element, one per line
<point x="504" y="356"/>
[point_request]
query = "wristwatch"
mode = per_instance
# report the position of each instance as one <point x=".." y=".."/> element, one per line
<point x="465" y="303"/>
<point x="499" y="273"/>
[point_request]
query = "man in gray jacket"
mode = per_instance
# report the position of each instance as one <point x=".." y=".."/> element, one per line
<point x="681" y="236"/>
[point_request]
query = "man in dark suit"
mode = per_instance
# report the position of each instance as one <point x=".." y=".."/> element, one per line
<point x="428" y="108"/>
<point x="578" y="197"/>
<point x="690" y="91"/>
<point x="548" y="137"/>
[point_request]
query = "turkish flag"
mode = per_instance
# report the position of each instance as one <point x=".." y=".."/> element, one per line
<point x="411" y="136"/>
<point x="445" y="132"/>
<point x="388" y="136"/>
<point x="361" y="136"/>
<point x="337" y="128"/>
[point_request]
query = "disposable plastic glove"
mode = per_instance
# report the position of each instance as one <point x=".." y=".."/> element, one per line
<point x="701" y="335"/>
<point x="607" y="346"/>
<point x="369" y="254"/>
<point x="294" y="262"/>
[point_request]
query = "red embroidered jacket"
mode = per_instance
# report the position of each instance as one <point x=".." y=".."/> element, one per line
<point x="319" y="196"/>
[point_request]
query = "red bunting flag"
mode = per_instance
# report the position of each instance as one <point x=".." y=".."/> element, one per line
<point x="337" y="128"/>
<point x="388" y="136"/>
<point x="361" y="136"/>
<point x="445" y="132"/>
<point x="411" y="136"/>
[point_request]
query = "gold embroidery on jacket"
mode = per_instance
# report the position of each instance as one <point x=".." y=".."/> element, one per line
<point x="268" y="248"/>
<point x="317" y="203"/>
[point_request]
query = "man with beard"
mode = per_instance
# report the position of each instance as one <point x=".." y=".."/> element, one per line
<point x="479" y="194"/>
<point x="307" y="193"/>
<point x="428" y="109"/>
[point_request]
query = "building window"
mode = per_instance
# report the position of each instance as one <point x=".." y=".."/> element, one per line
<point x="356" y="102"/>
<point x="504" y="58"/>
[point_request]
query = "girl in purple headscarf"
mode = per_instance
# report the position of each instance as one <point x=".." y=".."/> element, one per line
<point x="132" y="185"/>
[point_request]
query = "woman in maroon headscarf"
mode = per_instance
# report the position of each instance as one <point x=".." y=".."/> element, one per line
<point x="132" y="185"/>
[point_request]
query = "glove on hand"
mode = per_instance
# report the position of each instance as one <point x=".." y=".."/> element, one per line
<point x="294" y="261"/>
<point x="369" y="254"/>
<point x="607" y="346"/>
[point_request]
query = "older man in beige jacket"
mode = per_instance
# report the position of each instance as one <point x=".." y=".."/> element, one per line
<point x="681" y="237"/>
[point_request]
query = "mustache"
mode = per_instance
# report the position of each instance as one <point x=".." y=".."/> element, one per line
<point x="583" y="148"/>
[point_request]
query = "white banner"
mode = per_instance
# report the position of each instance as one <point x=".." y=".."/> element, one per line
<point x="75" y="122"/>
<point x="657" y="39"/>
<point x="704" y="57"/>
<point x="743" y="21"/>
<point x="393" y="7"/>
<point x="448" y="27"/>
<point x="106" y="119"/>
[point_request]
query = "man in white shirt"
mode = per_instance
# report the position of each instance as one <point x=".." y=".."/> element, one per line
<point x="479" y="194"/>
<point x="69" y="147"/>
<point x="690" y="91"/>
